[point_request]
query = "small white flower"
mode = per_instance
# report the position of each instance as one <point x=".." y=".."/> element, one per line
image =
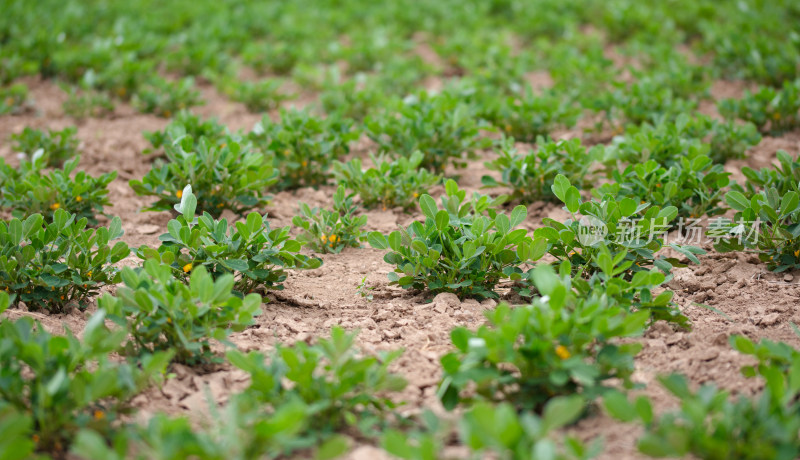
<point x="545" y="298"/>
<point x="476" y="342"/>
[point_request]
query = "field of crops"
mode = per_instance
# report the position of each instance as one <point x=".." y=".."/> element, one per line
<point x="512" y="229"/>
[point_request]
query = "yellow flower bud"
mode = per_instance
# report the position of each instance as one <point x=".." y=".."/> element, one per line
<point x="55" y="206"/>
<point x="179" y="193"/>
<point x="562" y="352"/>
<point x="78" y="199"/>
<point x="187" y="268"/>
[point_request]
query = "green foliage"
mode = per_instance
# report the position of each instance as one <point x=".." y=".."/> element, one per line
<point x="278" y="56"/>
<point x="31" y="190"/>
<point x="783" y="177"/>
<point x="778" y="364"/>
<point x="256" y="255"/>
<point x="304" y="146"/>
<point x="743" y="49"/>
<point x="258" y="96"/>
<point x="526" y="116"/>
<point x="729" y="140"/>
<point x="665" y="142"/>
<point x="466" y="247"/>
<point x="226" y="175"/>
<point x="243" y="431"/>
<point x="643" y="291"/>
<point x="13" y="99"/>
<point x="425" y="443"/>
<point x="562" y="344"/>
<point x="501" y="430"/>
<point x="773" y="111"/>
<point x="440" y="126"/>
<point x="387" y="183"/>
<point x="163" y="97"/>
<point x="693" y="185"/>
<point x="768" y="224"/>
<point x="8" y="174"/>
<point x="354" y="98"/>
<point x="187" y="124"/>
<point x="298" y="398"/>
<point x="162" y="313"/>
<point x="365" y="290"/>
<point x="711" y="425"/>
<point x="87" y="104"/>
<point x="58" y="146"/>
<point x="647" y="100"/>
<point x="49" y="265"/>
<point x="338" y="388"/>
<point x="331" y="230"/>
<point x="64" y="384"/>
<point x="530" y="175"/>
<point x="16" y="434"/>
<point x="617" y="236"/>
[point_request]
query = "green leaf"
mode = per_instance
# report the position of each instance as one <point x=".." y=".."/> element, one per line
<point x="618" y="406"/>
<point x="395" y="240"/>
<point x="737" y="200"/>
<point x="428" y="206"/>
<point x="627" y="206"/>
<point x="55" y="383"/>
<point x="562" y="410"/>
<point x="655" y="446"/>
<point x="5" y="301"/>
<point x="394" y="442"/>
<point x="115" y="228"/>
<point x="518" y="215"/>
<point x="573" y="199"/>
<point x="419" y="246"/>
<point x="442" y="220"/>
<point x="789" y="203"/>
<point x="334" y="447"/>
<point x="15" y="231"/>
<point x="236" y="264"/>
<point x="560" y="186"/>
<point x="377" y="240"/>
<point x="676" y="384"/>
<point x="743" y="345"/>
<point x="502" y="223"/>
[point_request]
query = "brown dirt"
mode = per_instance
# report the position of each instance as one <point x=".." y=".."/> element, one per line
<point x="755" y="303"/>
